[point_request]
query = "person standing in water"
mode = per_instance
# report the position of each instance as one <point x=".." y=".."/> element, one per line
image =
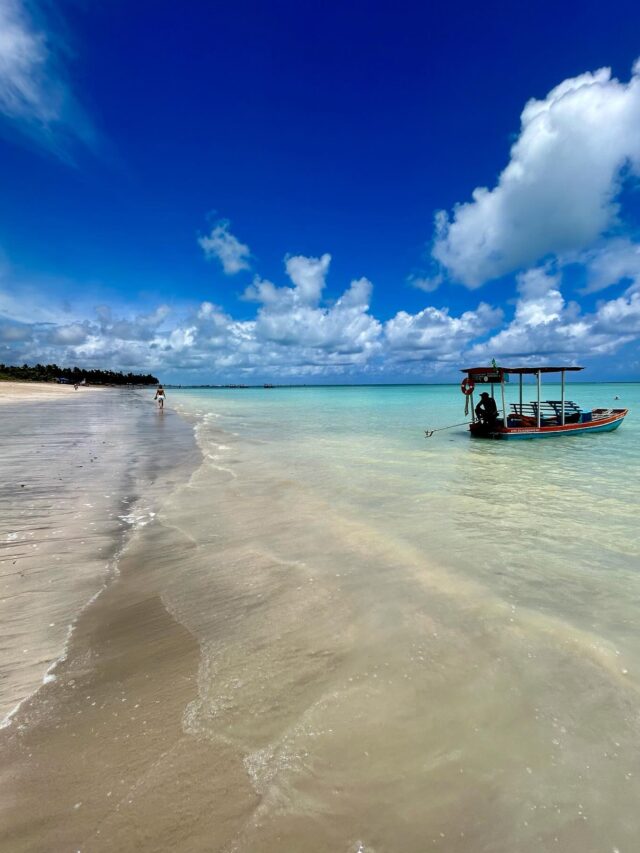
<point x="160" y="396"/>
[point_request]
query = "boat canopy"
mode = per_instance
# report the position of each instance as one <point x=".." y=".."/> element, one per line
<point x="497" y="371"/>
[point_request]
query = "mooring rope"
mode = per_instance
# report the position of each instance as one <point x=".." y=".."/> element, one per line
<point x="429" y="432"/>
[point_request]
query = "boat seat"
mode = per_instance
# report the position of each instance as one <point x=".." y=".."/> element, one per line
<point x="550" y="412"/>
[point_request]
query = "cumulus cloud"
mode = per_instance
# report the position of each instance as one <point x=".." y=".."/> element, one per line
<point x="293" y="317"/>
<point x="72" y="334"/>
<point x="308" y="276"/>
<point x="621" y="316"/>
<point x="558" y="192"/>
<point x="223" y="245"/>
<point x="34" y="93"/>
<point x="142" y="327"/>
<point x="615" y="261"/>
<point x="296" y="333"/>
<point x="545" y="326"/>
<point x="434" y="335"/>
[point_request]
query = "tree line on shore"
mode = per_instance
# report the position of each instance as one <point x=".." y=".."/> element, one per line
<point x="53" y="373"/>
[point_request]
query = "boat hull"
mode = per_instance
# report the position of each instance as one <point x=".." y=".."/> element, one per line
<point x="607" y="424"/>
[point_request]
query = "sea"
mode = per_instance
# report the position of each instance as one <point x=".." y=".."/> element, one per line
<point x="284" y="620"/>
<point x="415" y="643"/>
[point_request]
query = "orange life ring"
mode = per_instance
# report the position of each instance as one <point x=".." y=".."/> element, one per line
<point x="467" y="385"/>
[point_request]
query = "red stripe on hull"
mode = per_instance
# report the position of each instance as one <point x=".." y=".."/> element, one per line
<point x="618" y="415"/>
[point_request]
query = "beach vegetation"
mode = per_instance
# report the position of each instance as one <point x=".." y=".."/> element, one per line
<point x="54" y="373"/>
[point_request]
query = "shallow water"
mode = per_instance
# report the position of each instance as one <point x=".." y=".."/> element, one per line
<point x="76" y="476"/>
<point x="413" y="644"/>
<point x="332" y="635"/>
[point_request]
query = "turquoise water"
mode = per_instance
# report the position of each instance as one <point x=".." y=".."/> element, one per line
<point x="508" y="515"/>
<point x="496" y="584"/>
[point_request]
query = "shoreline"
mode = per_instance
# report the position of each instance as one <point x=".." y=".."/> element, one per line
<point x="37" y="724"/>
<point x="69" y="522"/>
<point x="119" y="693"/>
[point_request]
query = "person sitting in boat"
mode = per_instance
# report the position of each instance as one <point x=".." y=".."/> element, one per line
<point x="486" y="410"/>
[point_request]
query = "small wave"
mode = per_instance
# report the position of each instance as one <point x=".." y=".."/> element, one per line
<point x="49" y="675"/>
<point x="139" y="518"/>
<point x="213" y="459"/>
<point x="136" y="520"/>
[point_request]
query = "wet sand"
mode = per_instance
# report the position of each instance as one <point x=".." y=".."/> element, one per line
<point x="74" y="477"/>
<point x="99" y="760"/>
<point x="81" y="614"/>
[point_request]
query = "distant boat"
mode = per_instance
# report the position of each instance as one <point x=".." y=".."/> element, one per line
<point x="538" y="418"/>
<point x="267" y="385"/>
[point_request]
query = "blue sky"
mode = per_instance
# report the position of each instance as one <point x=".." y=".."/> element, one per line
<point x="289" y="192"/>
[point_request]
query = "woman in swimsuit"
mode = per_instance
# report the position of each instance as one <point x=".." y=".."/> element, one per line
<point x="160" y="397"/>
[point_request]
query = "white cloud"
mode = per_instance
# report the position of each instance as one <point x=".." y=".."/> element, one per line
<point x="34" y="93"/>
<point x="297" y="334"/>
<point x="293" y="333"/>
<point x="558" y="192"/>
<point x="221" y="244"/>
<point x="425" y="282"/>
<point x="308" y="276"/>
<point x="545" y="326"/>
<point x="72" y="334"/>
<point x="620" y="317"/>
<point x="611" y="263"/>
<point x="540" y="300"/>
<point x="293" y="316"/>
<point x="142" y="327"/>
<point x="434" y="335"/>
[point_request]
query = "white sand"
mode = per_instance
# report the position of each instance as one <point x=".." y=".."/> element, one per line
<point x="17" y="392"/>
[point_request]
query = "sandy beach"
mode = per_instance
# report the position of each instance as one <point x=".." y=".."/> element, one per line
<point x="16" y="392"/>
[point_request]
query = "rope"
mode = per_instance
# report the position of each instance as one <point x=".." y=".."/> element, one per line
<point x="429" y="432"/>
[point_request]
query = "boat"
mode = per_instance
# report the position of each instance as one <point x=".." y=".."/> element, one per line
<point x="539" y="418"/>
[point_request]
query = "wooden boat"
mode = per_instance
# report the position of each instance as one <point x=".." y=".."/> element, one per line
<point x="537" y="419"/>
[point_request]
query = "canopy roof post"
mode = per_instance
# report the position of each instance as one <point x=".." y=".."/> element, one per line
<point x="538" y="410"/>
<point x="504" y="408"/>
<point x="521" y="393"/>
<point x="562" y="399"/>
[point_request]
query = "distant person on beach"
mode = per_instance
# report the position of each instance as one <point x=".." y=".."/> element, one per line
<point x="486" y="410"/>
<point x="160" y="397"/>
